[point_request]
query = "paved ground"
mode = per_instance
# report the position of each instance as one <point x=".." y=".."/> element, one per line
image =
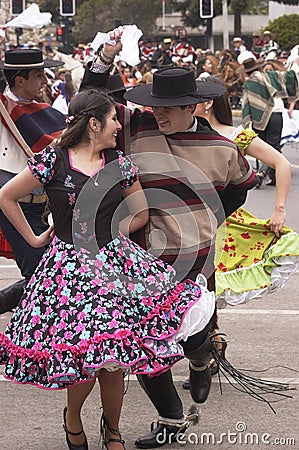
<point x="262" y="334"/>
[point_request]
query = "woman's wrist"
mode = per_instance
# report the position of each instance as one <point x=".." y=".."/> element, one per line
<point x="280" y="208"/>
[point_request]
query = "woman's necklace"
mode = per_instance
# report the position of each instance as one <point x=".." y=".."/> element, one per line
<point x="95" y="180"/>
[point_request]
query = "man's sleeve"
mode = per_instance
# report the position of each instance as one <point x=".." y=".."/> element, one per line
<point x="92" y="80"/>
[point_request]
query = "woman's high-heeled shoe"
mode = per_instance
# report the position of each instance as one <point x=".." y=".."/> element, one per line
<point x="103" y="429"/>
<point x="221" y="351"/>
<point x="71" y="446"/>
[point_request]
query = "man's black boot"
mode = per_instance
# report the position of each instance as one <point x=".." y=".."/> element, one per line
<point x="168" y="431"/>
<point x="200" y="371"/>
<point x="11" y="295"/>
<point x="160" y="435"/>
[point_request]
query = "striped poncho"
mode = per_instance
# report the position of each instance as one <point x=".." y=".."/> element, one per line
<point x="38" y="123"/>
<point x="192" y="180"/>
<point x="259" y="92"/>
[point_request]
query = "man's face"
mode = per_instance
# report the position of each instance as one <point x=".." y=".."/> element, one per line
<point x="173" y="119"/>
<point x="266" y="37"/>
<point x="31" y="89"/>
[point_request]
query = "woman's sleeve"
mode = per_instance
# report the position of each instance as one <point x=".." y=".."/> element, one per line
<point x="41" y="165"/>
<point x="129" y="170"/>
<point x="244" y="138"/>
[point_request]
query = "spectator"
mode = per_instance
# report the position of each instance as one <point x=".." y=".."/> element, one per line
<point x="239" y="46"/>
<point x="257" y="44"/>
<point x="262" y="103"/>
<point x="270" y="49"/>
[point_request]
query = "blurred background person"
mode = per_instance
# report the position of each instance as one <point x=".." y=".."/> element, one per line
<point x="67" y="92"/>
<point x="204" y="68"/>
<point x="270" y="49"/>
<point x="257" y="44"/>
<point x="239" y="46"/>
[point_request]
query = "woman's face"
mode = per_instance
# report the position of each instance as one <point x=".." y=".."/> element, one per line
<point x="109" y="131"/>
<point x="208" y="66"/>
<point x="268" y="67"/>
<point x="127" y="72"/>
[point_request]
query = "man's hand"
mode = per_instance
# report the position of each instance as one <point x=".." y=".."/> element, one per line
<point x="110" y="51"/>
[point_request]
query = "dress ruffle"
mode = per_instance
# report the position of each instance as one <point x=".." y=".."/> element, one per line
<point x="77" y="316"/>
<point x="242" y="284"/>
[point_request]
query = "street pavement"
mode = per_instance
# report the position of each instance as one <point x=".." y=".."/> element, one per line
<point x="262" y="336"/>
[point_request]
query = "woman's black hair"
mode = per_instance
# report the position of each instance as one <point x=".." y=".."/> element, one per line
<point x="222" y="109"/>
<point x="83" y="106"/>
<point x="221" y="105"/>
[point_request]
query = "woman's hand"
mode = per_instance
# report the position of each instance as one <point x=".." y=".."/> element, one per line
<point x="277" y="221"/>
<point x="44" y="239"/>
<point x="291" y="109"/>
<point x="110" y="51"/>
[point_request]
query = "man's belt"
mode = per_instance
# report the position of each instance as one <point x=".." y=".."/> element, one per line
<point x="33" y="198"/>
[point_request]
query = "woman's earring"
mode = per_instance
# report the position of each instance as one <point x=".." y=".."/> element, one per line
<point x="207" y="111"/>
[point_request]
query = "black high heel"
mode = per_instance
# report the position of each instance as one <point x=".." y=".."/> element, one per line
<point x="215" y="368"/>
<point x="71" y="446"/>
<point x="105" y="425"/>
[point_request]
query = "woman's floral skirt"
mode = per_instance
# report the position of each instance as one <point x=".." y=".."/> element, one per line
<point x="121" y="309"/>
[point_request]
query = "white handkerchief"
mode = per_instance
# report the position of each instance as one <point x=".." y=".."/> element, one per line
<point x="130" y="49"/>
<point x="129" y="40"/>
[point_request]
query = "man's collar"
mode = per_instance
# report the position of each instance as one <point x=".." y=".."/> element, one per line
<point x="193" y="128"/>
<point x="15" y="97"/>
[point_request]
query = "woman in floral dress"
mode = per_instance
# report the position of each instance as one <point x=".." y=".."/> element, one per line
<point x="97" y="304"/>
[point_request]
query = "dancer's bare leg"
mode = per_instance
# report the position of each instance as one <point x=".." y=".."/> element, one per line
<point x="76" y="396"/>
<point x="112" y="393"/>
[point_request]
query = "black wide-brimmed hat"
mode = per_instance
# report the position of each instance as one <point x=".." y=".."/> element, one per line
<point x="27" y="59"/>
<point x="174" y="86"/>
<point x="249" y="65"/>
<point x="115" y="83"/>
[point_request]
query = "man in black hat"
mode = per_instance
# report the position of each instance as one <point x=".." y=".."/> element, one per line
<point x="26" y="126"/>
<point x="193" y="179"/>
